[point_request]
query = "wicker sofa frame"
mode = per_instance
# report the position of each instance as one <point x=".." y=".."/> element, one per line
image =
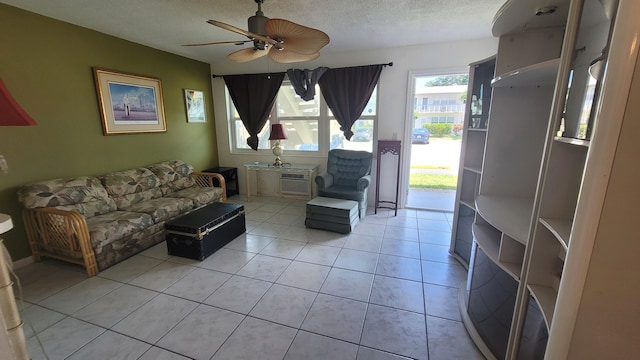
<point x="65" y="235"/>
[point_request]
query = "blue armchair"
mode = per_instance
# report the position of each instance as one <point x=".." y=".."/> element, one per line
<point x="348" y="177"/>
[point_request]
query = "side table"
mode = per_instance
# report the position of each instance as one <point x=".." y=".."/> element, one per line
<point x="230" y="175"/>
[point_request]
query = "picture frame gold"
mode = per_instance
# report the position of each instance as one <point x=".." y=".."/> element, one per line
<point x="129" y="103"/>
<point x="194" y="104"/>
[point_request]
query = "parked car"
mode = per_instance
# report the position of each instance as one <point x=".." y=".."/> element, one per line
<point x="420" y="136"/>
<point x="362" y="134"/>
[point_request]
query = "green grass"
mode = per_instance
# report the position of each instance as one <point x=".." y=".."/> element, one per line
<point x="432" y="181"/>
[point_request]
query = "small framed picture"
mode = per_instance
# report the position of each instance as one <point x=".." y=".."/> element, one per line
<point x="194" y="101"/>
<point x="129" y="103"/>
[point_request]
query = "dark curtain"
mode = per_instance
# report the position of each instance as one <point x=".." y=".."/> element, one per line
<point x="347" y="91"/>
<point x="253" y="95"/>
<point x="304" y="81"/>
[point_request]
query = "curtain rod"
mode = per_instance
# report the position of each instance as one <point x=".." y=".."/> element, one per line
<point x="387" y="64"/>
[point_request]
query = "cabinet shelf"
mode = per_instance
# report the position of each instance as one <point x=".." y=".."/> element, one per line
<point x="470" y="204"/>
<point x="546" y="297"/>
<point x="478" y="129"/>
<point x="560" y="228"/>
<point x="474" y="169"/>
<point x="572" y="141"/>
<point x="489" y="239"/>
<point x="543" y="73"/>
<point x="511" y="215"/>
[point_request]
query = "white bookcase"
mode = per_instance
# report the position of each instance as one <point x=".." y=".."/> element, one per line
<point x="529" y="192"/>
<point x="474" y="137"/>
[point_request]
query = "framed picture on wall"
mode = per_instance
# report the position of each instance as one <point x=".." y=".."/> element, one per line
<point x="129" y="103"/>
<point x="194" y="102"/>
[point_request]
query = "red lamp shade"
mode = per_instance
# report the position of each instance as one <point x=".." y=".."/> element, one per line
<point x="277" y="132"/>
<point x="11" y="114"/>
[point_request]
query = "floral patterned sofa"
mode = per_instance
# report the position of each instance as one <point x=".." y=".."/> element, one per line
<point x="102" y="220"/>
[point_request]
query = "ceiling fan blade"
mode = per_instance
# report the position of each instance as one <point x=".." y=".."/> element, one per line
<point x="237" y="30"/>
<point x="295" y="37"/>
<point x="221" y="43"/>
<point x="285" y="56"/>
<point x="246" y="55"/>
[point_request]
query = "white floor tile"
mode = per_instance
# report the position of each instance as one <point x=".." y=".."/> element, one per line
<point x="227" y="260"/>
<point x="160" y="277"/>
<point x="202" y="332"/>
<point x="257" y="339"/>
<point x="348" y="283"/>
<point x="443" y="274"/>
<point x="318" y="254"/>
<point x="36" y="318"/>
<point x="76" y="297"/>
<point x="62" y="339"/>
<point x="239" y="294"/>
<point x="262" y="267"/>
<point x="284" y="305"/>
<point x="155" y="318"/>
<point x="396" y="331"/>
<point x="442" y="301"/>
<point x="115" y="306"/>
<point x="449" y="340"/>
<point x="312" y="346"/>
<point x="399" y="267"/>
<point x="111" y="345"/>
<point x="304" y="275"/>
<point x="401" y="248"/>
<point x="336" y="317"/>
<point x="398" y="293"/>
<point x="287" y="249"/>
<point x="357" y="260"/>
<point x="132" y="267"/>
<point x="198" y="284"/>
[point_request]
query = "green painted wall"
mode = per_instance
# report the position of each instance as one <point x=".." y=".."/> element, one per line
<point x="47" y="66"/>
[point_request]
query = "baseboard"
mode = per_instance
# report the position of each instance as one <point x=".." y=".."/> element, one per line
<point x="23" y="262"/>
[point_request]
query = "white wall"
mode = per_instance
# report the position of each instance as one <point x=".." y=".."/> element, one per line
<point x="392" y="92"/>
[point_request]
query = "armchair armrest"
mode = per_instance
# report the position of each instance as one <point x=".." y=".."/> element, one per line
<point x="324" y="180"/>
<point x="60" y="234"/>
<point x="205" y="179"/>
<point x="364" y="182"/>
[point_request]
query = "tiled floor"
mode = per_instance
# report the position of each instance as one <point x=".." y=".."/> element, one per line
<point x="281" y="291"/>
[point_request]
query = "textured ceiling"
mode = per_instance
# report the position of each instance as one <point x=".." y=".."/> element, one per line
<point x="351" y="24"/>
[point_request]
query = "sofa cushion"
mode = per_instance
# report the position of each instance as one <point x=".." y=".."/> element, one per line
<point x="162" y="209"/>
<point x="130" y="187"/>
<point x="83" y="194"/>
<point x="174" y="175"/>
<point x="107" y="228"/>
<point x="199" y="195"/>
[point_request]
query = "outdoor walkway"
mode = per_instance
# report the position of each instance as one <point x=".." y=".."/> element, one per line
<point x="440" y="200"/>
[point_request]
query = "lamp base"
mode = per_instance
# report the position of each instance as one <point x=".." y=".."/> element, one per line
<point x="277" y="151"/>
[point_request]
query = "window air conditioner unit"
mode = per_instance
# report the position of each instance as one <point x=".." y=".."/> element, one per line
<point x="294" y="183"/>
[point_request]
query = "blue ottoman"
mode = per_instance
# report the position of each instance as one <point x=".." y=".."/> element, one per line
<point x="332" y="214"/>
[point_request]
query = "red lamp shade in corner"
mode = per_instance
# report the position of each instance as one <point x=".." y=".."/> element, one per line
<point x="11" y="114"/>
<point x="277" y="132"/>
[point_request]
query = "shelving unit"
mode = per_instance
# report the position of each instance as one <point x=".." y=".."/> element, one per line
<point x="525" y="188"/>
<point x="472" y="150"/>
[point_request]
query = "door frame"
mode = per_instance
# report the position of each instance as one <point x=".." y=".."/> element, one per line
<point x="408" y="125"/>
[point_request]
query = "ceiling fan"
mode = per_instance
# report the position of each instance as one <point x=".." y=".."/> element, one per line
<point x="284" y="41"/>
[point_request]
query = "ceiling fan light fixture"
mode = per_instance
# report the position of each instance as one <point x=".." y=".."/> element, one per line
<point x="302" y="43"/>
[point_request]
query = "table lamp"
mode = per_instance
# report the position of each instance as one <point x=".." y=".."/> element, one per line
<point x="277" y="134"/>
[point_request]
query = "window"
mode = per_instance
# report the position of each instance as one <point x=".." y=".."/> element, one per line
<point x="303" y="123"/>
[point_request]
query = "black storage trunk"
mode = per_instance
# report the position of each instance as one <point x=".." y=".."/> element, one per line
<point x="200" y="233"/>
